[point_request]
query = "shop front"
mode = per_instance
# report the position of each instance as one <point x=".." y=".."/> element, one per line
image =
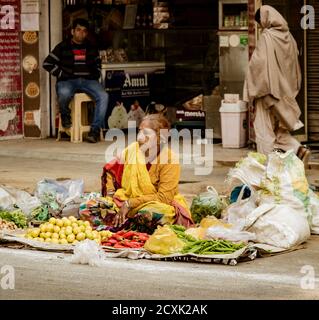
<point x="183" y="55"/>
<point x="23" y="108"/>
<point x="10" y="71"/>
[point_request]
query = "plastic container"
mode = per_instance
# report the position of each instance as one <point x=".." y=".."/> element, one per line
<point x="234" y="124"/>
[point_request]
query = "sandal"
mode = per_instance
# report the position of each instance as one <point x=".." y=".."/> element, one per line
<point x="304" y="154"/>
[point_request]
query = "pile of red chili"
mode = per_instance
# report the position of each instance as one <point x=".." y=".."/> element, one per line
<point x="127" y="239"/>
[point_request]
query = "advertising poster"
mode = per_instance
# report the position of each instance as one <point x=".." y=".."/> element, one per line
<point x="11" y="124"/>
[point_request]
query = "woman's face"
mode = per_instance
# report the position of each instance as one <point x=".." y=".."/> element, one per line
<point x="147" y="137"/>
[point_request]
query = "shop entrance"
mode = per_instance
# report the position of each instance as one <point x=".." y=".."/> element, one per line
<point x="177" y="51"/>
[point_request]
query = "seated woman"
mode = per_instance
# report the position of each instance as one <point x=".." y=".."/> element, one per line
<point x="144" y="182"/>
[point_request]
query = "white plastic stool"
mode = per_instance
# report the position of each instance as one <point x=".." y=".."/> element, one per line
<point x="81" y="115"/>
<point x="78" y="114"/>
<point x="69" y="131"/>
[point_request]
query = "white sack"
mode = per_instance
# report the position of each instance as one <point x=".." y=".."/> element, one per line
<point x="281" y="227"/>
<point x="314" y="219"/>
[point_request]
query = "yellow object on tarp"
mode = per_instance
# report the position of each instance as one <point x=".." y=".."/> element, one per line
<point x="200" y="232"/>
<point x="164" y="241"/>
<point x="212" y="222"/>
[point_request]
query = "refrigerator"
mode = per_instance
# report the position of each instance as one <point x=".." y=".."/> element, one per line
<point x="233" y="45"/>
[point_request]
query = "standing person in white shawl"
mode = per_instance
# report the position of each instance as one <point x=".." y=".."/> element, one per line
<point x="272" y="83"/>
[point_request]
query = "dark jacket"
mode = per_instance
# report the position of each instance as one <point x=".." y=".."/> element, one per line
<point x="61" y="63"/>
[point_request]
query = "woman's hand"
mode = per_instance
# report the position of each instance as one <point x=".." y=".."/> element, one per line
<point x="121" y="216"/>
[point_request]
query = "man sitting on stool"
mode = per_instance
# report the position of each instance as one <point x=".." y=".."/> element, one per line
<point x="76" y="64"/>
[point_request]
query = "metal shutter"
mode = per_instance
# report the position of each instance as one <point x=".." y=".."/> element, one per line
<point x="313" y="76"/>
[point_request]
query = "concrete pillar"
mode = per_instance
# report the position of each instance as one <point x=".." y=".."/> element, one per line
<point x="50" y="36"/>
<point x="56" y="9"/>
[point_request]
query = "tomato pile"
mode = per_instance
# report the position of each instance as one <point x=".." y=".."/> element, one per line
<point x="127" y="239"/>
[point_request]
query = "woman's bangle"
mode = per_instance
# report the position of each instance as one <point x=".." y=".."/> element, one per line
<point x="127" y="203"/>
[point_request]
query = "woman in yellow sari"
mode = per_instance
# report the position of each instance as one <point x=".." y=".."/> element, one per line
<point x="144" y="182"/>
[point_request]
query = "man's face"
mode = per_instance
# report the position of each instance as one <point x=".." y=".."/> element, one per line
<point x="79" y="34"/>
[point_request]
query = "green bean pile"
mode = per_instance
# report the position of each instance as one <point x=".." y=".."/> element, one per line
<point x="205" y="247"/>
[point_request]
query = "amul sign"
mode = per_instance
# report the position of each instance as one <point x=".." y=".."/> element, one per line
<point x="7" y="17"/>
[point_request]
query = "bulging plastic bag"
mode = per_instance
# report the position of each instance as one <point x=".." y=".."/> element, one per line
<point x="10" y="197"/>
<point x="220" y="232"/>
<point x="118" y="118"/>
<point x="281" y="226"/>
<point x="207" y="204"/>
<point x="63" y="192"/>
<point x="164" y="241"/>
<point x="286" y="183"/>
<point x="250" y="170"/>
<point x="88" y="252"/>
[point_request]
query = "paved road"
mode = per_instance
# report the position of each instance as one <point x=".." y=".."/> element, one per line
<point x="44" y="275"/>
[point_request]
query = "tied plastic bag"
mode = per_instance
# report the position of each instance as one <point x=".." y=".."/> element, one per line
<point x="207" y="204"/>
<point x="61" y="192"/>
<point x="250" y="170"/>
<point x="220" y="232"/>
<point x="236" y="214"/>
<point x="88" y="252"/>
<point x="118" y="118"/>
<point x="164" y="241"/>
<point x="279" y="226"/>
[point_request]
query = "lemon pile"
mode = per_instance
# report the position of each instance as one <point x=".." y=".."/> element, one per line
<point x="66" y="231"/>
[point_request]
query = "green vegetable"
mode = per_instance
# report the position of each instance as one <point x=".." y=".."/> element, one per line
<point x="41" y="213"/>
<point x="205" y="247"/>
<point x="206" y="204"/>
<point x="16" y="216"/>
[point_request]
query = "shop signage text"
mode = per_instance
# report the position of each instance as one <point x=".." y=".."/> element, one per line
<point x="135" y="82"/>
<point x="7" y="19"/>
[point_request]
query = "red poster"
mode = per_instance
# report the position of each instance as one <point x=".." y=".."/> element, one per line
<point x="11" y="120"/>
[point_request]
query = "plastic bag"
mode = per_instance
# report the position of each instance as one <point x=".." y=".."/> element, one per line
<point x="250" y="170"/>
<point x="236" y="213"/>
<point x="10" y="197"/>
<point x="281" y="226"/>
<point x="314" y="206"/>
<point x="208" y="222"/>
<point x="206" y="204"/>
<point x="164" y="241"/>
<point x="286" y="183"/>
<point x="220" y="232"/>
<point x="118" y="118"/>
<point x="63" y="192"/>
<point x="88" y="252"/>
